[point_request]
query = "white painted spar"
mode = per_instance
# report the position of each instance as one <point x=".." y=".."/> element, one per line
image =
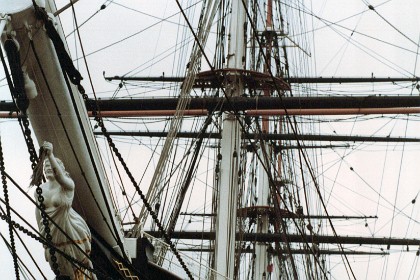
<point x="14" y="6"/>
<point x="72" y="135"/>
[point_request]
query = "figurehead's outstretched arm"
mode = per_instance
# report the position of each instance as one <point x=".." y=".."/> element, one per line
<point x="59" y="172"/>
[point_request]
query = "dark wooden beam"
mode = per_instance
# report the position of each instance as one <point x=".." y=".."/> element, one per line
<point x="258" y="103"/>
<point x="249" y="103"/>
<point x="305" y="216"/>
<point x="295" y="238"/>
<point x="291" y="80"/>
<point x="267" y="136"/>
<point x="294" y="251"/>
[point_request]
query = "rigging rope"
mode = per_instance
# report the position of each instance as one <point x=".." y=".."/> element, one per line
<point x="38" y="207"/>
<point x="22" y="117"/>
<point x="99" y="120"/>
<point x="184" y="99"/>
<point x="18" y="92"/>
<point x="49" y="244"/>
<point x="102" y="7"/>
<point x="390" y="24"/>
<point x="241" y="124"/>
<point x="75" y="77"/>
<point x="66" y="132"/>
<point x="30" y="255"/>
<point x="47" y="230"/>
<point x="18" y="258"/>
<point x="6" y="198"/>
<point x="303" y="155"/>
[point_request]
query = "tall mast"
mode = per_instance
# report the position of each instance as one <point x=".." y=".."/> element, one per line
<point x="262" y="223"/>
<point x="230" y="150"/>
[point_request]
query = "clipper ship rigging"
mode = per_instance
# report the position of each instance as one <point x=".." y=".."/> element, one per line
<point x="247" y="122"/>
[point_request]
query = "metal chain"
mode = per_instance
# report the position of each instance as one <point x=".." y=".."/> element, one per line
<point x="26" y="131"/>
<point x="23" y="119"/>
<point x="41" y="14"/>
<point x="51" y="245"/>
<point x="27" y="134"/>
<point x="6" y="198"/>
<point x="100" y="123"/>
<point x="47" y="230"/>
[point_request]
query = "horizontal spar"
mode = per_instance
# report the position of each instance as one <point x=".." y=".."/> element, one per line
<point x="305" y="216"/>
<point x="274" y="112"/>
<point x="262" y="105"/>
<point x="295" y="251"/>
<point x="266" y="136"/>
<point x="295" y="238"/>
<point x="252" y="106"/>
<point x="259" y="103"/>
<point x="291" y="80"/>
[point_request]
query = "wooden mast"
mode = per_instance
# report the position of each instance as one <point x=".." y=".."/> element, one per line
<point x="264" y="166"/>
<point x="230" y="152"/>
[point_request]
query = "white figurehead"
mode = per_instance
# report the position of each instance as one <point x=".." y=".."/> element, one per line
<point x="58" y="193"/>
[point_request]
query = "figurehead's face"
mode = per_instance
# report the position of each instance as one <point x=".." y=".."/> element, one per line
<point x="48" y="170"/>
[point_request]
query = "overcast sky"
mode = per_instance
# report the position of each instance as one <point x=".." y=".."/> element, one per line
<point x="362" y="43"/>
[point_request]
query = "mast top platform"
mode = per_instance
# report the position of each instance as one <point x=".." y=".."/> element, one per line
<point x="251" y="79"/>
<point x="254" y="211"/>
